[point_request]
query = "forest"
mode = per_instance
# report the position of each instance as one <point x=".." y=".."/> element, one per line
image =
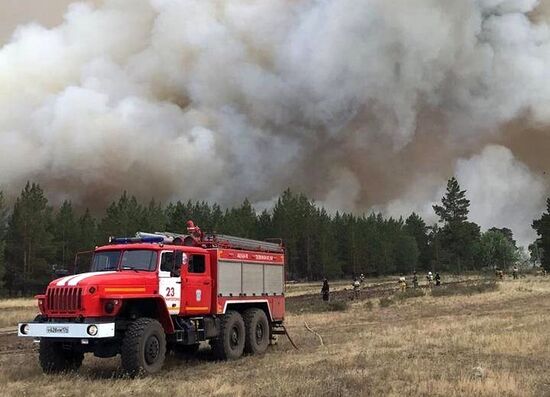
<point x="38" y="241"/>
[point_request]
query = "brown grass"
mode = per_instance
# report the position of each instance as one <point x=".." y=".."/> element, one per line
<point x="490" y="344"/>
<point x="13" y="311"/>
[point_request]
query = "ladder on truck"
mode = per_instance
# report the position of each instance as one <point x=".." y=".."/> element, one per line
<point x="225" y="241"/>
<point x="212" y="240"/>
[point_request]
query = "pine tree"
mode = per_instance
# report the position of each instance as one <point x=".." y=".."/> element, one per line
<point x="455" y="206"/>
<point x="216" y="219"/>
<point x="177" y="215"/>
<point x="86" y="240"/>
<point x="87" y="231"/>
<point x="407" y="253"/>
<point x="154" y="218"/>
<point x="29" y="245"/>
<point x="458" y="237"/>
<point x="325" y="249"/>
<point x="416" y="227"/>
<point x="286" y="226"/>
<point x="123" y="218"/>
<point x="241" y="221"/>
<point x="65" y="232"/>
<point x="265" y="225"/>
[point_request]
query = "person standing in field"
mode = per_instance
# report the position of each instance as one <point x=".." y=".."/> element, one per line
<point x="415" y="280"/>
<point x="356" y="285"/>
<point x="325" y="290"/>
<point x="402" y="283"/>
<point x="430" y="279"/>
<point x="437" y="279"/>
<point x="515" y="271"/>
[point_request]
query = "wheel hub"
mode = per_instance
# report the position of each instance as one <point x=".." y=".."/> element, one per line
<point x="234" y="340"/>
<point x="259" y="332"/>
<point x="152" y="349"/>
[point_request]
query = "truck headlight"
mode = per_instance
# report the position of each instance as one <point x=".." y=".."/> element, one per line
<point x="92" y="330"/>
<point x="25" y="328"/>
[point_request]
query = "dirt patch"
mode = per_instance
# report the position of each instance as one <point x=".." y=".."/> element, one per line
<point x="11" y="344"/>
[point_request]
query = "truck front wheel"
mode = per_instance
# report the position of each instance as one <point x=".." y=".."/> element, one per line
<point x="257" y="331"/>
<point x="143" y="347"/>
<point x="229" y="345"/>
<point x="55" y="357"/>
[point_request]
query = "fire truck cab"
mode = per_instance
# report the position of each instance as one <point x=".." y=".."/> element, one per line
<point x="153" y="293"/>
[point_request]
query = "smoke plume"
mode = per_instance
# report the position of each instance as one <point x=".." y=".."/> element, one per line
<point x="360" y="104"/>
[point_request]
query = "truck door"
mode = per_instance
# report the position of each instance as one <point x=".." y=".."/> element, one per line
<point x="197" y="285"/>
<point x="170" y="280"/>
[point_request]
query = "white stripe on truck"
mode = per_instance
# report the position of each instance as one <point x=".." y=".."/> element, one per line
<point x="64" y="280"/>
<point x="80" y="277"/>
<point x="75" y="279"/>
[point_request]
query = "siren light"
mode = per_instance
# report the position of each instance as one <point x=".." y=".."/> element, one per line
<point x="134" y="240"/>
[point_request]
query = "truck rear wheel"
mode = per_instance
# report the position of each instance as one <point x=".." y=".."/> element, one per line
<point x="229" y="345"/>
<point x="143" y="347"/>
<point x="55" y="357"/>
<point x="257" y="331"/>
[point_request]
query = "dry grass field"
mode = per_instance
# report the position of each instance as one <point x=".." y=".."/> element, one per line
<point x="13" y="310"/>
<point x="486" y="344"/>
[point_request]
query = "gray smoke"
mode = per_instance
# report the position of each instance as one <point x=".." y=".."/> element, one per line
<point x="503" y="192"/>
<point x="360" y="104"/>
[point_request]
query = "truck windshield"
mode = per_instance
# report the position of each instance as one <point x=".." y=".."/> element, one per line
<point x="125" y="260"/>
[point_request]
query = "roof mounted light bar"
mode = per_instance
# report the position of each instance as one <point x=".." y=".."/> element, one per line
<point x="136" y="240"/>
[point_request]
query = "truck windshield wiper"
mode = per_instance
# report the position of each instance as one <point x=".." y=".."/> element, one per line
<point x="130" y="268"/>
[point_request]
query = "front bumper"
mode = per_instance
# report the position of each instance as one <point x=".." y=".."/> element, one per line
<point x="66" y="330"/>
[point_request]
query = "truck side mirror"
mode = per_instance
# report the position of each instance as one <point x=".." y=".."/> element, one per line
<point x="178" y="258"/>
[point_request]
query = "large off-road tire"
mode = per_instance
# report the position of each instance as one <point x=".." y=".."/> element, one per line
<point x="143" y="347"/>
<point x="229" y="345"/>
<point x="257" y="331"/>
<point x="55" y="357"/>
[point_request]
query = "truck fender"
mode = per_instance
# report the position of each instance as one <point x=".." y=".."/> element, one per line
<point x="157" y="310"/>
<point x="242" y="305"/>
<point x="164" y="316"/>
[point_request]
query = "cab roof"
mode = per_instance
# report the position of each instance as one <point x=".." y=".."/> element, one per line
<point x="151" y="246"/>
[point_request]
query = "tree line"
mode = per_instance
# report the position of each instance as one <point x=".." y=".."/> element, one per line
<point x="36" y="239"/>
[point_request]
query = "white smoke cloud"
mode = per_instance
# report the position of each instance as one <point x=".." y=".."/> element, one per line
<point x="503" y="192"/>
<point x="217" y="100"/>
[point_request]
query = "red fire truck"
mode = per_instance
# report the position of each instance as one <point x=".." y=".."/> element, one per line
<point x="152" y="293"/>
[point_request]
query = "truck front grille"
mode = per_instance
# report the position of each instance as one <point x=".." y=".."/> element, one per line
<point x="63" y="300"/>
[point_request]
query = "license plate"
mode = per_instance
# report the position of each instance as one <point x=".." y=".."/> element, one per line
<point x="57" y="330"/>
